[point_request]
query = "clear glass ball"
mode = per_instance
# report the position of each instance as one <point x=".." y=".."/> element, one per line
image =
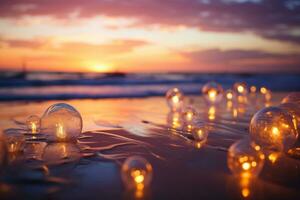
<point x="136" y="172"/>
<point x="294" y="110"/>
<point x="212" y="92"/>
<point x="33" y="124"/>
<point x="273" y="128"/>
<point x="175" y="99"/>
<point x="189" y="114"/>
<point x="240" y="88"/>
<point x="61" y="122"/>
<point x="200" y="133"/>
<point x="245" y="159"/>
<point x="293" y="97"/>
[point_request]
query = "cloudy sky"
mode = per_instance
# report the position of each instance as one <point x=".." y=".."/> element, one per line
<point x="150" y="35"/>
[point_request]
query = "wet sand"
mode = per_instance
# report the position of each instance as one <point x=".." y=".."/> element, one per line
<point x="117" y="128"/>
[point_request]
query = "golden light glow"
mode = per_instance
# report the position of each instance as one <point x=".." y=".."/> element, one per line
<point x="273" y="157"/>
<point x="245" y="192"/>
<point x="246" y="166"/>
<point x="137" y="176"/>
<point x="229" y="96"/>
<point x="240" y="89"/>
<point x="12" y="147"/>
<point x="263" y="90"/>
<point x="101" y="68"/>
<point x="275" y="131"/>
<point x="33" y="128"/>
<point x="212" y="94"/>
<point x="257" y="147"/>
<point x="211" y="113"/>
<point x="175" y="99"/>
<point x="60" y="132"/>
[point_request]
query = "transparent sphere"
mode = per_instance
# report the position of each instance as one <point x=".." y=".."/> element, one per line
<point x="212" y="92"/>
<point x="200" y="133"/>
<point x="175" y="99"/>
<point x="294" y="110"/>
<point x="61" y="122"/>
<point x="136" y="172"/>
<point x="189" y="114"/>
<point x="245" y="158"/>
<point x="240" y="88"/>
<point x="33" y="124"/>
<point x="293" y="97"/>
<point x="273" y="128"/>
<point x="15" y="142"/>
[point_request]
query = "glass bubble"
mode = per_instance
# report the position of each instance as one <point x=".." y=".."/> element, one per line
<point x="245" y="158"/>
<point x="175" y="99"/>
<point x="273" y="128"/>
<point x="200" y="134"/>
<point x="136" y="172"/>
<point x="189" y="114"/>
<point x="293" y="97"/>
<point x="240" y="88"/>
<point x="294" y="110"/>
<point x="61" y="122"/>
<point x="212" y="92"/>
<point x="33" y="123"/>
<point x="15" y="142"/>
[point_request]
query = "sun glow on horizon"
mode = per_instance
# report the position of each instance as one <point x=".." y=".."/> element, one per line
<point x="101" y="68"/>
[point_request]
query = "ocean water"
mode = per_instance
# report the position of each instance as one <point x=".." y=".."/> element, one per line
<point x="46" y="86"/>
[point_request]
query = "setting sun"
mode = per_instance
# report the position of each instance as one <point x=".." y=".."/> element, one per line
<point x="101" y="68"/>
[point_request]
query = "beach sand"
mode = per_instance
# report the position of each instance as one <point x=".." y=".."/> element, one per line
<point x="115" y="129"/>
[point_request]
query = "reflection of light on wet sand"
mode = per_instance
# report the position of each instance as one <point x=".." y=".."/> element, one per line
<point x="211" y="113"/>
<point x="58" y="153"/>
<point x="245" y="184"/>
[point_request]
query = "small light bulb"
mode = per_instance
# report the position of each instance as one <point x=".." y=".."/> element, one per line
<point x="273" y="128"/>
<point x="175" y="99"/>
<point x="244" y="160"/>
<point x="212" y="92"/>
<point x="33" y="124"/>
<point x="61" y="122"/>
<point x="240" y="88"/>
<point x="136" y="173"/>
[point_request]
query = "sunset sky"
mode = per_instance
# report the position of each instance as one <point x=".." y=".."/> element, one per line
<point x="150" y="35"/>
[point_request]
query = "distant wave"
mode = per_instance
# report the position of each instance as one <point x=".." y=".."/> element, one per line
<point x="45" y="87"/>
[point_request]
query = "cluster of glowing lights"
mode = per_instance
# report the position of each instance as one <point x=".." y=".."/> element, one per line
<point x="273" y="128"/>
<point x="212" y="92"/>
<point x="175" y="99"/>
<point x="245" y="159"/>
<point x="136" y="175"/>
